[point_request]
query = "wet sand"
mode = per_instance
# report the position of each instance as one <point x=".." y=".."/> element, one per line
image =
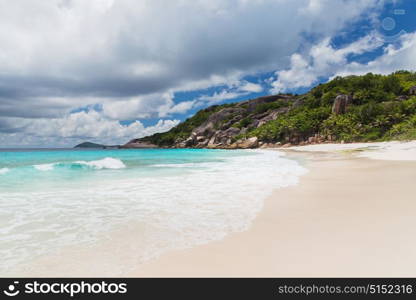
<point x="348" y="216"/>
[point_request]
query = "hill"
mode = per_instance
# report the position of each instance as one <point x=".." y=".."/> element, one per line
<point x="93" y="146"/>
<point x="346" y="109"/>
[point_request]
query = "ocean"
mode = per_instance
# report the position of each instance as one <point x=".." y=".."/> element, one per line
<point x="58" y="198"/>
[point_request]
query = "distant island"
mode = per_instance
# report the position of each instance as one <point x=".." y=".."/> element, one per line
<point x="346" y="109"/>
<point x="95" y="146"/>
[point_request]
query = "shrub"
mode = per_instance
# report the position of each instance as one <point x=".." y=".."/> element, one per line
<point x="405" y="130"/>
<point x="375" y="114"/>
<point x="243" y="123"/>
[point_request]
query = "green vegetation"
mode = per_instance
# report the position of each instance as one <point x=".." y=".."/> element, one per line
<point x="243" y="123"/>
<point x="381" y="109"/>
<point x="298" y="122"/>
<point x="375" y="114"/>
<point x="89" y="145"/>
<point x="265" y="107"/>
<point x="184" y="129"/>
<point x="405" y="130"/>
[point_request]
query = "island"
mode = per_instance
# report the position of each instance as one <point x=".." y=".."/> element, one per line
<point x="90" y="145"/>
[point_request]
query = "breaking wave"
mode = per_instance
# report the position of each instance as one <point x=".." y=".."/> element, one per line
<point x="206" y="201"/>
<point x="4" y="170"/>
<point x="105" y="163"/>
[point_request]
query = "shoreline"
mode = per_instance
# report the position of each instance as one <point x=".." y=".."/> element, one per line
<point x="348" y="216"/>
<point x="205" y="204"/>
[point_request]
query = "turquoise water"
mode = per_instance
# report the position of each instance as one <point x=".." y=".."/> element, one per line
<point x="39" y="169"/>
<point x="173" y="198"/>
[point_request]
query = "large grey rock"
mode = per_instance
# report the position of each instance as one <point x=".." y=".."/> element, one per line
<point x="208" y="128"/>
<point x="211" y="143"/>
<point x="252" y="104"/>
<point x="249" y="143"/>
<point x="224" y="137"/>
<point x="189" y="142"/>
<point x="412" y="90"/>
<point x="270" y="116"/>
<point x="340" y="104"/>
<point x="137" y="144"/>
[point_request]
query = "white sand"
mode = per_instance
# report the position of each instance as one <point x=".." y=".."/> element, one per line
<point x="348" y="217"/>
<point x="399" y="151"/>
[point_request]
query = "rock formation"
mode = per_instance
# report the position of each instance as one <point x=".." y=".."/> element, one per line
<point x="138" y="144"/>
<point x="222" y="127"/>
<point x="340" y="104"/>
<point x="314" y="117"/>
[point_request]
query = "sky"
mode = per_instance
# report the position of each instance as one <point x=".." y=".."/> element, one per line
<point x="108" y="71"/>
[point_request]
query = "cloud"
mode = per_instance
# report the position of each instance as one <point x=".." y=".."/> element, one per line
<point x="324" y="61"/>
<point x="232" y="91"/>
<point x="74" y="128"/>
<point x="395" y="57"/>
<point x="251" y="87"/>
<point x="142" y="107"/>
<point x="321" y="61"/>
<point x="122" y="49"/>
<point x="220" y="96"/>
<point x="130" y="57"/>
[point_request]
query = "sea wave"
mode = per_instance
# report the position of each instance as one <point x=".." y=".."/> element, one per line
<point x="105" y="163"/>
<point x="44" y="167"/>
<point x="169" y="212"/>
<point x="4" y="170"/>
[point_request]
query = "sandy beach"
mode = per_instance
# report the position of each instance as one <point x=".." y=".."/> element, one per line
<point x="349" y="216"/>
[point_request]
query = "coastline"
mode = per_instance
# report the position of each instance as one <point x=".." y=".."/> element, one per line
<point x="206" y="195"/>
<point x="267" y="139"/>
<point x="348" y="216"/>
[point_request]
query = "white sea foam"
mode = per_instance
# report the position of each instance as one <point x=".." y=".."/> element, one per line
<point x="4" y="170"/>
<point x="191" y="208"/>
<point x="44" y="167"/>
<point x="185" y="165"/>
<point x="105" y="163"/>
<point x="383" y="150"/>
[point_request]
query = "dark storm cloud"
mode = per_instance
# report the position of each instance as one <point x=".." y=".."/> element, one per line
<point x="41" y="86"/>
<point x="61" y="59"/>
<point x="8" y="126"/>
<point x="119" y="49"/>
